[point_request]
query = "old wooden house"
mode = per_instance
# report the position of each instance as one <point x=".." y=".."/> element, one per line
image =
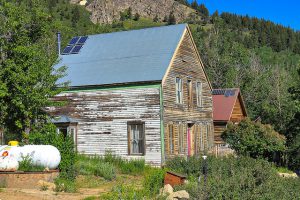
<point x="140" y="94"/>
<point x="228" y="106"/>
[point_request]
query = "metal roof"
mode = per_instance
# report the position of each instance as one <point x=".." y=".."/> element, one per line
<point x="123" y="57"/>
<point x="63" y="119"/>
<point x="223" y="103"/>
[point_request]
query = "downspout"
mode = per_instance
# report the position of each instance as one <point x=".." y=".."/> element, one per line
<point x="162" y="133"/>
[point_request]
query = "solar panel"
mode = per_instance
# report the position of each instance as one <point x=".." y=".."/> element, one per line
<point x="74" y="41"/>
<point x="67" y="50"/>
<point x="227" y="93"/>
<point x="218" y="92"/>
<point x="82" y="40"/>
<point x="76" y="49"/>
<point x="232" y="92"/>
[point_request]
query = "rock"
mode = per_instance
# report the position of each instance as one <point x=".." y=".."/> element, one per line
<point x="166" y="190"/>
<point x="44" y="185"/>
<point x="182" y="194"/>
<point x="287" y="175"/>
<point x="108" y="11"/>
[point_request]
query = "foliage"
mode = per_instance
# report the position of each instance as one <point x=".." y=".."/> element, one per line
<point x="27" y="76"/>
<point x="132" y="166"/>
<point x="65" y="185"/>
<point x="27" y="165"/>
<point x="123" y="192"/>
<point x="95" y="166"/>
<point x="254" y="139"/>
<point x="47" y="135"/>
<point x="236" y="178"/>
<point x="153" y="181"/>
<point x="293" y="137"/>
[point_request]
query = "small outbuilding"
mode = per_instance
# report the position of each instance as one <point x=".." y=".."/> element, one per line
<point x="228" y="106"/>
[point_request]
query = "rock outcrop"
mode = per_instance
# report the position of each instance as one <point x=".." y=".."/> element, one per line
<point x="107" y="11"/>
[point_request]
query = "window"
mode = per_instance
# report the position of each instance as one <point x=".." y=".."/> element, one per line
<point x="181" y="139"/>
<point x="136" y="138"/>
<point x="190" y="92"/>
<point x="178" y="90"/>
<point x="199" y="94"/>
<point x="201" y="138"/>
<point x="171" y="146"/>
<point x="68" y="130"/>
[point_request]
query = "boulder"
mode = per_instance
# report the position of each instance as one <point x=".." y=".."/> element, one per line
<point x="288" y="175"/>
<point x="166" y="190"/>
<point x="179" y="195"/>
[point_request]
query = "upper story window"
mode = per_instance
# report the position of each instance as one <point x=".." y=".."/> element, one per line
<point x="199" y="94"/>
<point x="136" y="138"/>
<point x="190" y="93"/>
<point x="178" y="83"/>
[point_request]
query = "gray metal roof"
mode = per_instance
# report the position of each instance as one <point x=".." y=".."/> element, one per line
<point x="62" y="119"/>
<point x="123" y="57"/>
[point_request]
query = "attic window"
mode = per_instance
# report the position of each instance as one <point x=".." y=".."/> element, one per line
<point x="75" y="45"/>
<point x="178" y="82"/>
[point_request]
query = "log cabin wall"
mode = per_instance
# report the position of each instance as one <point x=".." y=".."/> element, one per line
<point x="103" y="116"/>
<point x="177" y="116"/>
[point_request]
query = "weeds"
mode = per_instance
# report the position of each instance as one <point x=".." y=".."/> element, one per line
<point x="27" y="165"/>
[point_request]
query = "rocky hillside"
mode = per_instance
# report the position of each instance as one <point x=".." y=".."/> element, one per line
<point x="107" y="11"/>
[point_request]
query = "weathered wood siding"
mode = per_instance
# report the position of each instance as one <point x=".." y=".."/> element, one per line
<point x="219" y="128"/>
<point x="103" y="117"/>
<point x="187" y="66"/>
<point x="237" y="113"/>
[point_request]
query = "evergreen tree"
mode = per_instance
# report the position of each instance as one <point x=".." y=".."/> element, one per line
<point x="203" y="10"/>
<point x="136" y="17"/>
<point x="171" y="19"/>
<point x="75" y="16"/>
<point x="194" y="5"/>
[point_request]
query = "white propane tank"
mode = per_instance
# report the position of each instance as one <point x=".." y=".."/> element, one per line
<point x="41" y="155"/>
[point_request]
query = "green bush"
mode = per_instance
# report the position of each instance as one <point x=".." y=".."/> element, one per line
<point x="47" y="135"/>
<point x="26" y="165"/>
<point x="121" y="191"/>
<point x="235" y="178"/>
<point x="153" y="181"/>
<point x="254" y="139"/>
<point x="96" y="166"/>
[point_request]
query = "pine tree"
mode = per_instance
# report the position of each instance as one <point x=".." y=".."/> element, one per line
<point x="172" y="19"/>
<point x="203" y="10"/>
<point x="194" y="5"/>
<point x="136" y="17"/>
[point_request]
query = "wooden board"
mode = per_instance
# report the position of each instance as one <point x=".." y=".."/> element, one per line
<point x="103" y="115"/>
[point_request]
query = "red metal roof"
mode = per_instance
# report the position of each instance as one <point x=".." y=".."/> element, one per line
<point x="223" y="103"/>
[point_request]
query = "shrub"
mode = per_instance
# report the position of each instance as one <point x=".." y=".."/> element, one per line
<point x="27" y="165"/>
<point x="254" y="139"/>
<point x="237" y="178"/>
<point x="47" y="135"/>
<point x="121" y="191"/>
<point x="153" y="181"/>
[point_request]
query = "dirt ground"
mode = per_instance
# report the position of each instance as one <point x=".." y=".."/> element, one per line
<point x="34" y="194"/>
<point x="96" y="190"/>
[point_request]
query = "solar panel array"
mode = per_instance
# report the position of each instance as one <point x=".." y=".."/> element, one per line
<point x="224" y="92"/>
<point x="75" y="45"/>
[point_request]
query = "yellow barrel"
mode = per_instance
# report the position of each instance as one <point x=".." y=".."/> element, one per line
<point x="13" y="143"/>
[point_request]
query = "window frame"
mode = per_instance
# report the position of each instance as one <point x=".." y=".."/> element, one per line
<point x="190" y="92"/>
<point x="143" y="140"/>
<point x="199" y="93"/>
<point x="179" y="93"/>
<point x="181" y="148"/>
